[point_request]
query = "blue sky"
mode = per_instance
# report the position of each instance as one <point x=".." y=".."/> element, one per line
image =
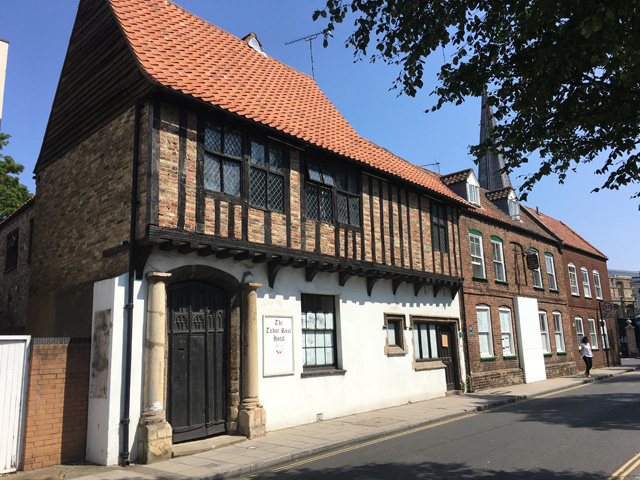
<point x="39" y="31"/>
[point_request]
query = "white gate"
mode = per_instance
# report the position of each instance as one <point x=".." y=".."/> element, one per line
<point x="14" y="369"/>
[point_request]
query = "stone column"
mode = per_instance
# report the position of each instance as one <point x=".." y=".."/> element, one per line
<point x="631" y="339"/>
<point x="154" y="433"/>
<point x="252" y="418"/>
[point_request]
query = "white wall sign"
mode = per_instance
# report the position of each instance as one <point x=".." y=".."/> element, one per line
<point x="278" y="345"/>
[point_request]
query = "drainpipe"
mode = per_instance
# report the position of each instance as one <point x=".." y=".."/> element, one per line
<point x="128" y="327"/>
<point x="463" y="312"/>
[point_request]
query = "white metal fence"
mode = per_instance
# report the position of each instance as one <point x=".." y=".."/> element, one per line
<point x="14" y="368"/>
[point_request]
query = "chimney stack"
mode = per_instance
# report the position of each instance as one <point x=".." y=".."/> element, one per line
<point x="4" y="51"/>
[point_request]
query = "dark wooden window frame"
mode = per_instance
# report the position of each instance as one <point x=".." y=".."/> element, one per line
<point x="326" y="180"/>
<point x="13" y="248"/>
<point x="439" y="227"/>
<point x="268" y="172"/>
<point x="221" y="157"/>
<point x="306" y="298"/>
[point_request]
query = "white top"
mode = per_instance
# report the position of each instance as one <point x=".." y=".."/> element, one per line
<point x="585" y="348"/>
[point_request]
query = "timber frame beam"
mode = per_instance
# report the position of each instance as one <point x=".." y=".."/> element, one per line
<point x="276" y="258"/>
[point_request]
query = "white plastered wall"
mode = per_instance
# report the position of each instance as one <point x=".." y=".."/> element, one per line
<point x="372" y="380"/>
<point x="107" y="369"/>
<point x="529" y="339"/>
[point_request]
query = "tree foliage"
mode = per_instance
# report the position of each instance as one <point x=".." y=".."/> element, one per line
<point x="563" y="76"/>
<point x="12" y="192"/>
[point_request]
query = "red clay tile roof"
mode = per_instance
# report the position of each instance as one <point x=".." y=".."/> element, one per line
<point x="180" y="51"/>
<point x="456" y="177"/>
<point x="17" y="211"/>
<point x="568" y="236"/>
<point x="499" y="194"/>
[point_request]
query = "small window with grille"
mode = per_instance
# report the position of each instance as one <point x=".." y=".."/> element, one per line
<point x="12" y="251"/>
<point x="266" y="176"/>
<point x="222" y="159"/>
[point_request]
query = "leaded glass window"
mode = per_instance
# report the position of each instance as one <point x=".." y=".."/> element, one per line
<point x="439" y="227"/>
<point x="266" y="178"/>
<point x="318" y="330"/>
<point x="323" y="182"/>
<point x="222" y="166"/>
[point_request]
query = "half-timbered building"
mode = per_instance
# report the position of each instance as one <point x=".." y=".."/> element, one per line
<point x="242" y="259"/>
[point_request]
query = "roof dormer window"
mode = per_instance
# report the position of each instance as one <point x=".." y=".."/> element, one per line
<point x="473" y="193"/>
<point x="473" y="189"/>
<point x="514" y="207"/>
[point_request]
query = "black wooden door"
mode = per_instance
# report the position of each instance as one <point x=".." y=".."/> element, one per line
<point x="447" y="353"/>
<point x="196" y="390"/>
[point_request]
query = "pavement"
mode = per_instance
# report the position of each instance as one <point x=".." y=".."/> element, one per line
<point x="234" y="456"/>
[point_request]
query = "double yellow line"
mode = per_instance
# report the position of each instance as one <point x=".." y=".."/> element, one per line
<point x="360" y="445"/>
<point x="626" y="469"/>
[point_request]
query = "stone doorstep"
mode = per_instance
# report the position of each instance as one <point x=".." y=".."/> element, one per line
<point x="200" y="446"/>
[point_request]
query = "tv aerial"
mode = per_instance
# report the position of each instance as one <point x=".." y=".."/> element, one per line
<point x="309" y="38"/>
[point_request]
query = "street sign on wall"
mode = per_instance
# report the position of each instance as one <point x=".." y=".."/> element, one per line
<point x="607" y="309"/>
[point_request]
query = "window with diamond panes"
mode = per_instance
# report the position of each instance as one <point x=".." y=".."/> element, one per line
<point x="318" y="197"/>
<point x="439" y="227"/>
<point x="348" y="197"/>
<point x="266" y="176"/>
<point x="222" y="165"/>
<point x="319" y="330"/>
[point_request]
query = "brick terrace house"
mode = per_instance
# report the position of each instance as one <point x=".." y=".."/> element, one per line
<point x="517" y="324"/>
<point x="585" y="268"/>
<point x="15" y="243"/>
<point x="507" y="307"/>
<point x="229" y="242"/>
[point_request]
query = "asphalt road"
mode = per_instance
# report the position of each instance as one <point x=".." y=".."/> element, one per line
<point x="584" y="433"/>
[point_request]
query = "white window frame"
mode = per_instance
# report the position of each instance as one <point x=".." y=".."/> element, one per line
<point x="485" y="333"/>
<point x="544" y="331"/>
<point x="537" y="281"/>
<point x="498" y="260"/>
<point x="506" y="329"/>
<point x="473" y="193"/>
<point x="593" y="332"/>
<point x="579" y="329"/>
<point x="573" y="280"/>
<point x="559" y="332"/>
<point x="605" y="336"/>
<point x="514" y="208"/>
<point x="475" y="259"/>
<point x="597" y="285"/>
<point x="551" y="271"/>
<point x="586" y="286"/>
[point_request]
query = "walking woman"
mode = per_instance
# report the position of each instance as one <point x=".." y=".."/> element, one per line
<point x="587" y="355"/>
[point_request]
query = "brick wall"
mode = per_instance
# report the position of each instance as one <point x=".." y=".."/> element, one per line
<point x="57" y="400"/>
<point x="83" y="215"/>
<point x="502" y="370"/>
<point x="589" y="307"/>
<point x="14" y="284"/>
<point x="395" y="225"/>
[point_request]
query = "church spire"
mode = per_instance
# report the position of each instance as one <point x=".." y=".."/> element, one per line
<point x="490" y="164"/>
